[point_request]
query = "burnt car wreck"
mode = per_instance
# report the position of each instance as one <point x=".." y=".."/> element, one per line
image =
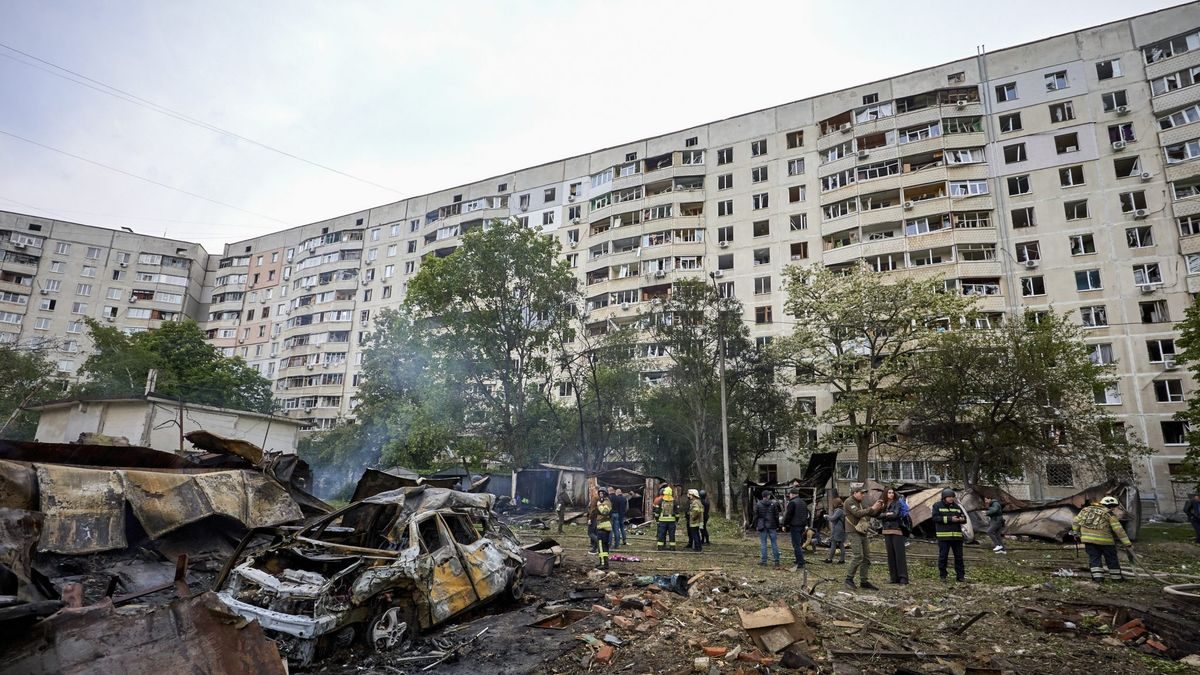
<point x="377" y="571"/>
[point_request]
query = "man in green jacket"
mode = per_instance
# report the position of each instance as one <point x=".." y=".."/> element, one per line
<point x="858" y="517"/>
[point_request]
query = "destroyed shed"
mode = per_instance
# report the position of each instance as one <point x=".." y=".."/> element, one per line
<point x="161" y="423"/>
<point x="538" y="486"/>
<point x="638" y="487"/>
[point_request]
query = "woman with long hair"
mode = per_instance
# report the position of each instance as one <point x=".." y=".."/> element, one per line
<point x="892" y="518"/>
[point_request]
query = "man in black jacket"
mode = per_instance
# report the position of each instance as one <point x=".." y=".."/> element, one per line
<point x="704" y="532"/>
<point x="766" y="521"/>
<point x="795" y="521"/>
<point x="948" y="519"/>
<point x="620" y="505"/>
<point x="1193" y="513"/>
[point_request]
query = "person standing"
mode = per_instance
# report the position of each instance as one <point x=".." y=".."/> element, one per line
<point x="603" y="526"/>
<point x="837" y="532"/>
<point x="620" y="506"/>
<point x="704" y="529"/>
<point x="995" y="515"/>
<point x="666" y="513"/>
<point x="858" y="517"/>
<point x="1193" y="513"/>
<point x="795" y="521"/>
<point x="948" y="519"/>
<point x="766" y="521"/>
<point x="695" y="520"/>
<point x="892" y="518"/>
<point x="560" y="505"/>
<point x="1099" y="530"/>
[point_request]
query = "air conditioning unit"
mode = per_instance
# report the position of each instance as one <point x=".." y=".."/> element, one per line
<point x="570" y="198"/>
<point x="908" y="206"/>
<point x="961" y="105"/>
<point x="1146" y="175"/>
<point x="657" y="301"/>
<point x="241" y="340"/>
<point x="523" y="207"/>
<point x="308" y="410"/>
<point x="723" y="244"/>
<point x="718" y="274"/>
<point x="309" y="366"/>
<point x="44" y="291"/>
<point x="124" y="264"/>
<point x="572" y="244"/>
<point x="846" y="127"/>
<point x="1169" y="363"/>
<point x="19" y="247"/>
<point x="109" y="319"/>
<point x="1031" y="263"/>
<point x="863" y="154"/>
<point x="934" y="479"/>
<point x="133" y="299"/>
<point x="1140" y="214"/>
<point x="660" y="274"/>
<point x="574" y="221"/>
<point x="624" y="305"/>
<point x="1148" y="288"/>
<point x="1122" y="110"/>
<point x="1118" y="145"/>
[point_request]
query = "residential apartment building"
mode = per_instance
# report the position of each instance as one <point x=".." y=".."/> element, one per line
<point x="1061" y="173"/>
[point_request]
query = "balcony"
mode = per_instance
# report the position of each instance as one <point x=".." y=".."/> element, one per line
<point x="1175" y="99"/>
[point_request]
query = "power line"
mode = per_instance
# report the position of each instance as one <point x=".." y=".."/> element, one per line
<point x="123" y="95"/>
<point x="141" y="178"/>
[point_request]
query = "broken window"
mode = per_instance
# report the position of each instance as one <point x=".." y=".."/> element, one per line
<point x="1182" y="152"/>
<point x="1006" y="92"/>
<point x="1018" y="185"/>
<point x="799" y="250"/>
<point x="758" y="174"/>
<point x="1139" y="237"/>
<point x="724" y="156"/>
<point x="1076" y="210"/>
<point x="1023" y="217"/>
<point x="1160" y="350"/>
<point x="1121" y="133"/>
<point x="1189" y="115"/>
<point x="796" y="193"/>
<point x="1028" y="250"/>
<point x="725" y="207"/>
<point x="1101" y="354"/>
<point x="1114" y="99"/>
<point x="962" y="125"/>
<point x="1132" y="201"/>
<point x="1127" y="167"/>
<point x="1184" y="189"/>
<point x="1062" y="112"/>
<point x="1031" y="286"/>
<point x="1087" y="280"/>
<point x="798" y="222"/>
<point x="1107" y="394"/>
<point x="762" y="256"/>
<point x="795" y="166"/>
<point x="1154" y="311"/>
<point x="1065" y="143"/>
<point x="1188" y="225"/>
<point x="762" y="315"/>
<point x="1014" y="153"/>
<point x="460" y="528"/>
<point x="1094" y="316"/>
<point x="1010" y="122"/>
<point x="1106" y="70"/>
<point x="1146" y="274"/>
<point x="1056" y="81"/>
<point x="758" y="148"/>
<point x="795" y="139"/>
<point x="1070" y="176"/>
<point x="1174" y="432"/>
<point x="762" y="228"/>
<point x="1059" y="475"/>
<point x="1168" y="391"/>
<point x="1082" y="244"/>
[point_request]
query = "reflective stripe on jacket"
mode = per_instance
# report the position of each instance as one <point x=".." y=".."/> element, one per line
<point x="943" y="514"/>
<point x="665" y="511"/>
<point x="1097" y="525"/>
<point x="605" y="509"/>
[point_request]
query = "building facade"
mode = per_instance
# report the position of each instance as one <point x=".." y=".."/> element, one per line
<point x="1060" y="173"/>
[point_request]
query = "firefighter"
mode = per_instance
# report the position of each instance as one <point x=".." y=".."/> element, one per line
<point x="603" y="526"/>
<point x="666" y="513"/>
<point x="695" y="520"/>
<point x="1099" y="530"/>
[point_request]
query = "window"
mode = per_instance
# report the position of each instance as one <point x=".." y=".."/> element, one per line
<point x="548" y="218"/>
<point x="79" y="308"/>
<point x="691" y="142"/>
<point x="548" y="194"/>
<point x="725" y="234"/>
<point x="967" y="188"/>
<point x="768" y="474"/>
<point x="1154" y="311"/>
<point x="1160" y="350"/>
<point x="1028" y="250"/>
<point x="93" y="253"/>
<point x="1062" y="112"/>
<point x="1189" y="115"/>
<point x="1185" y="188"/>
<point x="1113" y="100"/>
<point x="725" y="262"/>
<point x="799" y="221"/>
<point x="1146" y="274"/>
<point x="1014" y="153"/>
<point x="760" y="201"/>
<point x="1023" y="217"/>
<point x="762" y="256"/>
<point x="83" y="289"/>
<point x="762" y="314"/>
<point x="1010" y="123"/>
<point x="1182" y="152"/>
<point x="1121" y="133"/>
<point x="1076" y="210"/>
<point x="762" y="285"/>
<point x="796" y="193"/>
<point x="1082" y="244"/>
<point x="725" y="207"/>
<point x="1101" y="354"/>
<point x="758" y="148"/>
<point x="1087" y="280"/>
<point x="725" y="181"/>
<point x="1059" y="475"/>
<point x="1106" y="70"/>
<point x="799" y="250"/>
<point x="724" y="156"/>
<point x="1168" y="391"/>
<point x="1107" y="395"/>
<point x="1174" y="432"/>
<point x="758" y="174"/>
<point x="1031" y="286"/>
<point x="1094" y="316"/>
<point x="62" y="248"/>
<point x="1006" y="92"/>
<point x="1139" y="237"/>
<point x="1018" y="185"/>
<point x="1070" y="176"/>
<point x="795" y="167"/>
<point x="1065" y="143"/>
<point x="1056" y="81"/>
<point x="795" y="139"/>
<point x="762" y="228"/>
<point x="41" y="323"/>
<point x="1189" y="225"/>
<point x="1132" y="201"/>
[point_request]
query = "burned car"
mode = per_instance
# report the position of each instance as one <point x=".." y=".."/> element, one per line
<point x="377" y="571"/>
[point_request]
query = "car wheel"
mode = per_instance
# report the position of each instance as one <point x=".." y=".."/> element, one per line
<point x="389" y="631"/>
<point x="516" y="587"/>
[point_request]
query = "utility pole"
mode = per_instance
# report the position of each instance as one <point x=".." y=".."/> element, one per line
<point x="724" y="414"/>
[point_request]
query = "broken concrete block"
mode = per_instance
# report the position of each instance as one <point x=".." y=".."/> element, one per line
<point x="604" y="654"/>
<point x="733" y="654"/>
<point x="700" y="665"/>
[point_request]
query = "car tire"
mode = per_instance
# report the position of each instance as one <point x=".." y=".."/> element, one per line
<point x="391" y="629"/>
<point x="516" y="587"/>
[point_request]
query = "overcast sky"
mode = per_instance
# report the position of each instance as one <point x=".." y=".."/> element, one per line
<point x="418" y="96"/>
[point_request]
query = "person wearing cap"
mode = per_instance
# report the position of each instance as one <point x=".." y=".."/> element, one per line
<point x="695" y="520"/>
<point x="666" y="512"/>
<point x="766" y="521"/>
<point x="603" y="526"/>
<point x="795" y="522"/>
<point x="858" y="517"/>
<point x="1099" y="529"/>
<point x="948" y="519"/>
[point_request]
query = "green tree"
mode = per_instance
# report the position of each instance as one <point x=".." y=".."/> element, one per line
<point x="189" y="368"/>
<point x="1189" y="343"/>
<point x="26" y="379"/>
<point x="485" y="318"/>
<point x="764" y="417"/>
<point x="998" y="402"/>
<point x="856" y="333"/>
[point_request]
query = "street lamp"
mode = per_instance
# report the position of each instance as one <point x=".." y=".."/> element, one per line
<point x="724" y="415"/>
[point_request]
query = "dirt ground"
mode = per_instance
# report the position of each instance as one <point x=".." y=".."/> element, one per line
<point x="1023" y="593"/>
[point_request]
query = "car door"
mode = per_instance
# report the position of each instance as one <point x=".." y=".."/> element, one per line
<point x="484" y="561"/>
<point x="450" y="589"/>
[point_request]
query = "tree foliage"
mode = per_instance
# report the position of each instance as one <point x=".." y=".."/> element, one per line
<point x="856" y="334"/>
<point x="1001" y="401"/>
<point x="26" y="379"/>
<point x="1189" y="343"/>
<point x="189" y="368"/>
